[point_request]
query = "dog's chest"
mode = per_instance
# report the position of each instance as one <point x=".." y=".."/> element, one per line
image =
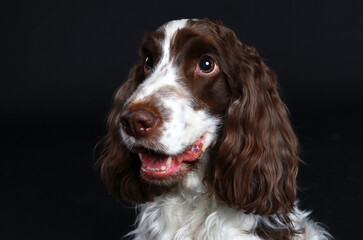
<point x="180" y="216"/>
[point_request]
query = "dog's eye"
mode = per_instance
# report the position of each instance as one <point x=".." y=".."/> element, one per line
<point x="149" y="63"/>
<point x="206" y="65"/>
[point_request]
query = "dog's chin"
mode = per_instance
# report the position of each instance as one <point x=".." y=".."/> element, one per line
<point x="168" y="170"/>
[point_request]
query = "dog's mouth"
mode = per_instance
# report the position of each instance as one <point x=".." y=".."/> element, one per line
<point x="161" y="166"/>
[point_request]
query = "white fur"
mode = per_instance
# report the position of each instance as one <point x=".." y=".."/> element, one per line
<point x="189" y="213"/>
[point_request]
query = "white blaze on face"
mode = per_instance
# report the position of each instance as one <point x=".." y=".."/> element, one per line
<point x="185" y="125"/>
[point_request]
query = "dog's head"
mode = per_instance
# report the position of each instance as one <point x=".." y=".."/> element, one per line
<point x="197" y="88"/>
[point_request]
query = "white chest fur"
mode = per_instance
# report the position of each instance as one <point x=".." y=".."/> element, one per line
<point x="181" y="215"/>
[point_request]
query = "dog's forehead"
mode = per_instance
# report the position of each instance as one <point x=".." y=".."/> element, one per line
<point x="170" y="30"/>
<point x="169" y="40"/>
<point x="172" y="49"/>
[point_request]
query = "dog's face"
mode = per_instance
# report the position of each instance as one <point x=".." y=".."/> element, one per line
<point x="182" y="93"/>
<point x="197" y="88"/>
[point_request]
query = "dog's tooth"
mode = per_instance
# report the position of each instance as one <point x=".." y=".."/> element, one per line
<point x="140" y="156"/>
<point x="168" y="162"/>
<point x="163" y="168"/>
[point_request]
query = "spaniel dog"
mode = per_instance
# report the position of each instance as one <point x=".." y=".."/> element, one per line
<point x="200" y="140"/>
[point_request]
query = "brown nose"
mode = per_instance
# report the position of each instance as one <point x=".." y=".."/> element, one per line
<point x="138" y="123"/>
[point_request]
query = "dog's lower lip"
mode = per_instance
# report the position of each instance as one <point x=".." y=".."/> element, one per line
<point x="161" y="166"/>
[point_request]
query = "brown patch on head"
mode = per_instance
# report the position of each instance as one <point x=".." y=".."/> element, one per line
<point x="190" y="45"/>
<point x="151" y="43"/>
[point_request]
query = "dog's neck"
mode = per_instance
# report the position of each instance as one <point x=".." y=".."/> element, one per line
<point x="194" y="180"/>
<point x="193" y="190"/>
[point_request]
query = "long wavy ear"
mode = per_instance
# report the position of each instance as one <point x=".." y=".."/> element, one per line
<point x="254" y="164"/>
<point x="120" y="168"/>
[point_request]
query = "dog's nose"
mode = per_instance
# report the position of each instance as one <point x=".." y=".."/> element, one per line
<point x="138" y="123"/>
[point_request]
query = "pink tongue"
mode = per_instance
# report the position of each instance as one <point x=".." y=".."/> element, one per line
<point x="153" y="160"/>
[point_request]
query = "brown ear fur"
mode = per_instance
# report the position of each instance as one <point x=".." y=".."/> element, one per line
<point x="254" y="164"/>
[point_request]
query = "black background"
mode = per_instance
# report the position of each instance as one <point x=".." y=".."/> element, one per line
<point x="61" y="62"/>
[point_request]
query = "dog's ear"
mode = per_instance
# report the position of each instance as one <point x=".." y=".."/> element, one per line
<point x="254" y="164"/>
<point x="120" y="168"/>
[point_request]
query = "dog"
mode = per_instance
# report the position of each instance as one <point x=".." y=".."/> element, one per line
<point x="200" y="140"/>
